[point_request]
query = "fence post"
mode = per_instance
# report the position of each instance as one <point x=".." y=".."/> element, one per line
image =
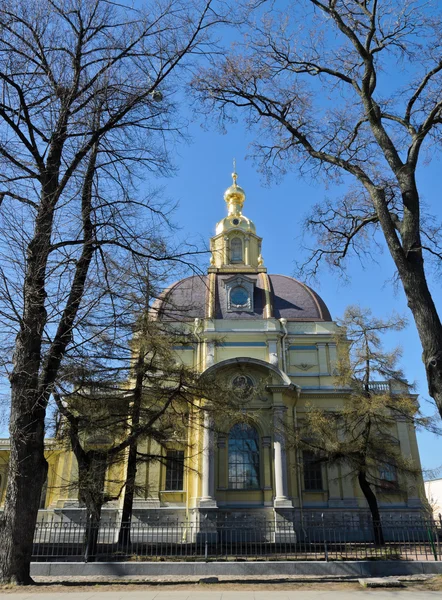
<point x="431" y="540"/>
<point x="325" y="539"/>
<point x="437" y="529"/>
<point x="88" y="539"/>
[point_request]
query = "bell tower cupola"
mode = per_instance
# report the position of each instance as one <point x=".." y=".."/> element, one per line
<point x="235" y="246"/>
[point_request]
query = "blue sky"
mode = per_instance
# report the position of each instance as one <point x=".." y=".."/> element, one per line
<point x="204" y="172"/>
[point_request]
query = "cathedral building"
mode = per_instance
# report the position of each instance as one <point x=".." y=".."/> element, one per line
<point x="249" y="326"/>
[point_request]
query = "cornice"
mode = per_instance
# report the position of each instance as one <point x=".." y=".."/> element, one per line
<point x="5" y="443"/>
<point x="242" y="269"/>
<point x="322" y="392"/>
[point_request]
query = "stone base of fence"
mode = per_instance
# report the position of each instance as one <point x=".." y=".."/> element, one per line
<point x="363" y="568"/>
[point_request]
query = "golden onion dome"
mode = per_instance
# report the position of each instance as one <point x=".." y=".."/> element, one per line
<point x="234" y="196"/>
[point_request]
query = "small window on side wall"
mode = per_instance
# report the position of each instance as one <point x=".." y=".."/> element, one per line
<point x="236" y="250"/>
<point x="174" y="470"/>
<point x="312" y="472"/>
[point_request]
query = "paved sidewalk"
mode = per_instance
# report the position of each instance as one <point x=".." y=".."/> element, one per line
<point x="228" y="595"/>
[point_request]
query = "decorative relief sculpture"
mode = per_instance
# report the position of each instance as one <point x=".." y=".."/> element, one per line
<point x="304" y="366"/>
<point x="242" y="386"/>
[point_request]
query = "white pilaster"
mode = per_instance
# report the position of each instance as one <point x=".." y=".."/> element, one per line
<point x="280" y="459"/>
<point x="207" y="499"/>
<point x="334" y="488"/>
<point x="403" y="429"/>
<point x="210" y="354"/>
<point x="322" y="356"/>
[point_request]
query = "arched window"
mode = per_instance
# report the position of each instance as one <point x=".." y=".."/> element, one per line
<point x="236" y="250"/>
<point x="243" y="457"/>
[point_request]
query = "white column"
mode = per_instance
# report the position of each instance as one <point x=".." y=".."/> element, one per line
<point x="207" y="499"/>
<point x="280" y="459"/>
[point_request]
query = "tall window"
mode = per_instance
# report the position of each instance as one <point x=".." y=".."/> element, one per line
<point x="236" y="250"/>
<point x="312" y="471"/>
<point x="243" y="457"/>
<point x="388" y="476"/>
<point x="174" y="470"/>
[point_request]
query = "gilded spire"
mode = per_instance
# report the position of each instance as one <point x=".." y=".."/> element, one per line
<point x="234" y="174"/>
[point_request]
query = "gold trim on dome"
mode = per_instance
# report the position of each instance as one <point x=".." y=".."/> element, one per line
<point x="210" y="304"/>
<point x="267" y="313"/>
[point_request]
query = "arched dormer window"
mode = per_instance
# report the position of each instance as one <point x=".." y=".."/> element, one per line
<point x="243" y="457"/>
<point x="236" y="250"/>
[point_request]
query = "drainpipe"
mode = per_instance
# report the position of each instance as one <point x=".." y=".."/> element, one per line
<point x="189" y="434"/>
<point x="196" y="330"/>
<point x="283" y="352"/>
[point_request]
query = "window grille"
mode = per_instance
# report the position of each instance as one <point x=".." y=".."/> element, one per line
<point x="174" y="470"/>
<point x="312" y="472"/>
<point x="243" y="457"/>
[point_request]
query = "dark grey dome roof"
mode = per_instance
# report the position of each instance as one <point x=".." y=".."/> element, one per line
<point x="188" y="299"/>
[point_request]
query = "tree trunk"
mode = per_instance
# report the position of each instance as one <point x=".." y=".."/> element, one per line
<point x="126" y="515"/>
<point x="409" y="261"/>
<point x="26" y="475"/>
<point x="27" y="465"/>
<point x="429" y="328"/>
<point x="374" y="509"/>
<point x="91" y="480"/>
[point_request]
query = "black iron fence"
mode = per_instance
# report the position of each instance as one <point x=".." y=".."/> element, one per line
<point x="315" y="539"/>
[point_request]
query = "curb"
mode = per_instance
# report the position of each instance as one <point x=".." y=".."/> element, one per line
<point x="357" y="569"/>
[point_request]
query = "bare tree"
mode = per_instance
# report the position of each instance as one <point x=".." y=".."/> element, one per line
<point x="128" y="385"/>
<point x="104" y="425"/>
<point x="362" y="434"/>
<point x="86" y="107"/>
<point x="350" y="90"/>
